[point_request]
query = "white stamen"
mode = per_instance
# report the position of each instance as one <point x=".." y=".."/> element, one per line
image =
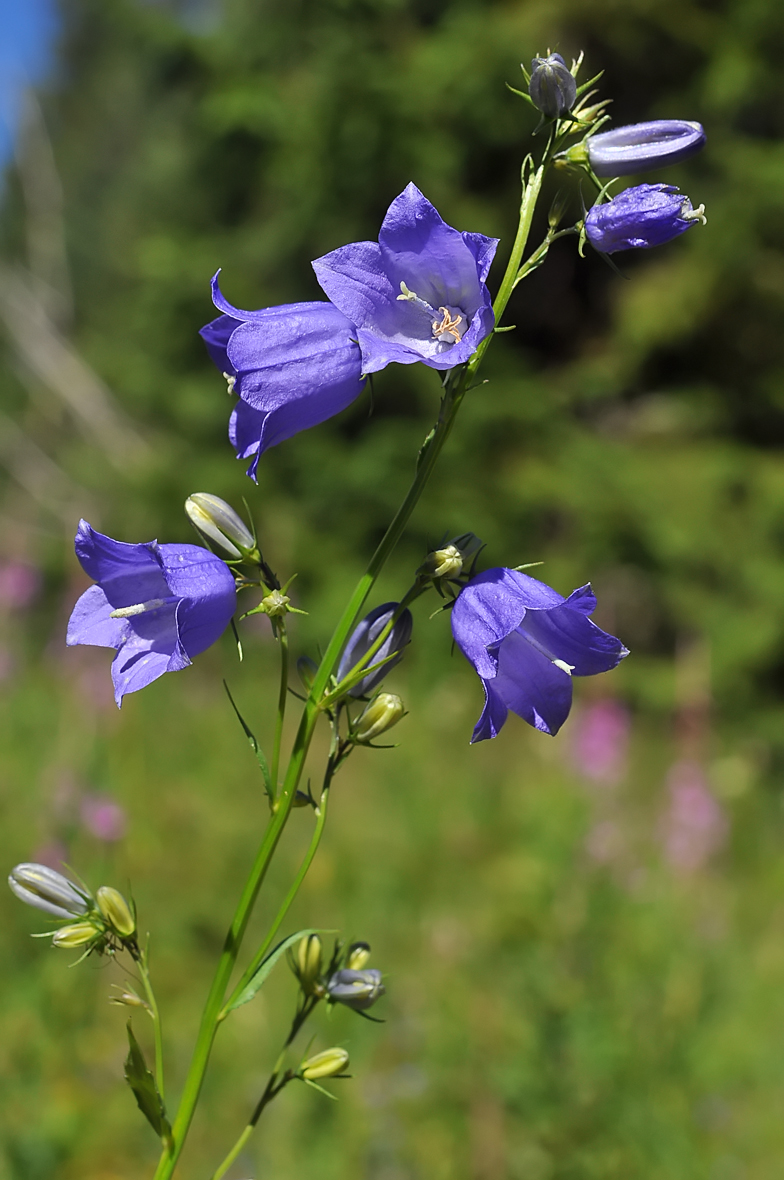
<point x="231" y="381"/>
<point x="140" y="608"/>
<point x="697" y="214"/>
<point x="562" y="664"/>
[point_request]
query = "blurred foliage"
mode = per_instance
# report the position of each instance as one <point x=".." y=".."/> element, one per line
<point x="547" y="1018"/>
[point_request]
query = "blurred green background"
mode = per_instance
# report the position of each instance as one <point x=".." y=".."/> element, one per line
<point x="583" y="938"/>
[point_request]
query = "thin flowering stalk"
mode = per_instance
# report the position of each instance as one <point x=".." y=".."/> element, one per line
<point x="141" y="963"/>
<point x="455" y="386"/>
<point x="283" y="640"/>
<point x="318" y="831"/>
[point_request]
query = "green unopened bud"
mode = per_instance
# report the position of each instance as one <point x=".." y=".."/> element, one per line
<point x="75" y="935"/>
<point x="128" y="997"/>
<point x="384" y="711"/>
<point x="358" y="955"/>
<point x="450" y="560"/>
<point x="275" y="604"/>
<point x="306" y="669"/>
<point x="328" y="1064"/>
<point x="309" y="962"/>
<point x="116" y="911"/>
<point x="218" y="522"/>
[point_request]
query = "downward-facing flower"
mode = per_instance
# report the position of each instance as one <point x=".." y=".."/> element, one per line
<point x="156" y="605"/>
<point x="642" y="216"/>
<point x="639" y="147"/>
<point x="293" y="367"/>
<point x="418" y="294"/>
<point x="526" y="641"/>
<point x="356" y="989"/>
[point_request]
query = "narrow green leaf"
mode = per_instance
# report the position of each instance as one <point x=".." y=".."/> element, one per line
<point x="145" y="1091"/>
<point x="264" y="968"/>
<point x="254" y="745"/>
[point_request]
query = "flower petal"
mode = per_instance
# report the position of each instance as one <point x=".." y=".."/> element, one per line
<point x="127" y="573"/>
<point x="216" y="336"/>
<point x="531" y="686"/>
<point x="574" y="639"/>
<point x="91" y="622"/>
<point x="493" y="716"/>
<point x="491" y="606"/>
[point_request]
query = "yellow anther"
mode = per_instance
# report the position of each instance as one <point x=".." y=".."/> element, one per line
<point x="448" y="325"/>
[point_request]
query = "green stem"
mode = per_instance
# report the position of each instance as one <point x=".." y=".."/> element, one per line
<point x="289" y="898"/>
<point x="141" y="963"/>
<point x="223" y="1167"/>
<point x="531" y="191"/>
<point x="283" y="694"/>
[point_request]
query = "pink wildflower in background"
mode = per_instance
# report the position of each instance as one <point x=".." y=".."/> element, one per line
<point x="103" y="817"/>
<point x="20" y="584"/>
<point x="600" y="741"/>
<point x="694" y="826"/>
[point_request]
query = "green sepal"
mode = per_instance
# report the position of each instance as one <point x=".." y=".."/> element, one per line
<point x="254" y="745"/>
<point x="264" y="968"/>
<point x="321" y="1090"/>
<point x="522" y="94"/>
<point x="145" y="1091"/>
<point x="587" y="85"/>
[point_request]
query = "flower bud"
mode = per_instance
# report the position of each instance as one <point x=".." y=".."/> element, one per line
<point x="384" y="711"/>
<point x="75" y="935"/>
<point x="309" y="962"/>
<point x="552" y="88"/>
<point x="364" y="636"/>
<point x="47" y="890"/>
<point x="129" y="998"/>
<point x="450" y="560"/>
<point x="116" y="911"/>
<point x="275" y="604"/>
<point x="358" y="955"/>
<point x="306" y="670"/>
<point x="328" y="1064"/>
<point x="217" y="520"/>
<point x="355" y="989"/>
<point x="642" y="216"/>
<point x="639" y="147"/>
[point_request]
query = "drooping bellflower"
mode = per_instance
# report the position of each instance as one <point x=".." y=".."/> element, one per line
<point x="526" y="641"/>
<point x="419" y="293"/>
<point x="639" y="147"/>
<point x="643" y="216"/>
<point x="365" y="635"/>
<point x="157" y="605"/>
<point x="293" y="366"/>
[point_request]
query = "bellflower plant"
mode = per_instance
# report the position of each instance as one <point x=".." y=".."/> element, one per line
<point x="418" y="294"/>
<point x="525" y="642"/>
<point x="643" y="216"/>
<point x="157" y="605"/>
<point x="293" y="367"/>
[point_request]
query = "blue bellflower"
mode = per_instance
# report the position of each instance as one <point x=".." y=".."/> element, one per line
<point x="364" y="636"/>
<point x="526" y="641"/>
<point x="642" y="216"/>
<point x="156" y="605"/>
<point x="293" y="366"/>
<point x="419" y="293"/>
<point x="639" y="147"/>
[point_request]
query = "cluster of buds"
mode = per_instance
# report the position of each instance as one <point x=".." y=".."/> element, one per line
<point x="345" y="979"/>
<point x="105" y="922"/>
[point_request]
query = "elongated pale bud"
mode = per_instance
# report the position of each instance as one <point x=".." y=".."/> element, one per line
<point x="358" y="955"/>
<point x="129" y="998"/>
<point x="328" y="1064"/>
<point x="42" y="887"/>
<point x="384" y="711"/>
<point x="639" y="147"/>
<point x="218" y="522"/>
<point x="116" y="911"/>
<point x="355" y="989"/>
<point x="75" y="935"/>
<point x="309" y="958"/>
